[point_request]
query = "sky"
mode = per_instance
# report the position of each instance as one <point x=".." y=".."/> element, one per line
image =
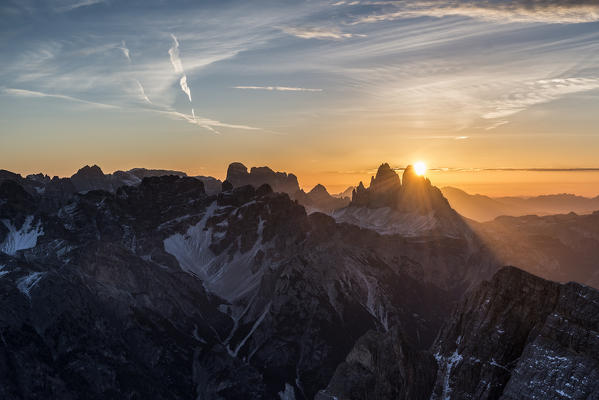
<point x="497" y="97"/>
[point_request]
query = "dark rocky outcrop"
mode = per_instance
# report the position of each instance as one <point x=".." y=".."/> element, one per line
<point x="56" y="191"/>
<point x="383" y="366"/>
<point x="238" y="175"/>
<point x="516" y="336"/>
<point x="415" y="195"/>
<point x="161" y="290"/>
<point x="521" y="337"/>
<point x="90" y="178"/>
<point x="412" y="208"/>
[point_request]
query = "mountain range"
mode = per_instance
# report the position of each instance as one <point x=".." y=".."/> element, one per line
<point x="168" y="287"/>
<point x="484" y="208"/>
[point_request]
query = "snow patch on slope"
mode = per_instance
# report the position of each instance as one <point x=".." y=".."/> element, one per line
<point x="2" y="273"/>
<point x="387" y="221"/>
<point x="229" y="277"/>
<point x="254" y="327"/>
<point x="20" y="239"/>
<point x="288" y="394"/>
<point x="449" y="362"/>
<point x="26" y="283"/>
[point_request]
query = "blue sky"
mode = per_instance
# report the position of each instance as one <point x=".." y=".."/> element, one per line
<point x="317" y="87"/>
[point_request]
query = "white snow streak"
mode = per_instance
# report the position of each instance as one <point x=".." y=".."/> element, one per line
<point x="450" y="361"/>
<point x="28" y="282"/>
<point x="288" y="394"/>
<point x="21" y="239"/>
<point x="229" y="277"/>
<point x="254" y="327"/>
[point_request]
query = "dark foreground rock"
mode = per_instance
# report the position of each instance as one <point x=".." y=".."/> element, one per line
<point x="160" y="290"/>
<point x="515" y="337"/>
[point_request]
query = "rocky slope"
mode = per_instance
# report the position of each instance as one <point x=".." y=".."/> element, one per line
<point x="161" y="290"/>
<point x="521" y="337"/>
<point x="316" y="200"/>
<point x="410" y="206"/>
<point x="238" y="175"/>
<point x="515" y="337"/>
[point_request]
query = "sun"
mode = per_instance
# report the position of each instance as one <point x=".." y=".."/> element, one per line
<point x="420" y="168"/>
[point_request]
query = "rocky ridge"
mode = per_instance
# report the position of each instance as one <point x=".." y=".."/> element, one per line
<point x="516" y="336"/>
<point x="239" y="294"/>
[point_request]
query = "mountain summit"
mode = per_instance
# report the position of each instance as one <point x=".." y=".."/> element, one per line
<point x="416" y="194"/>
<point x="408" y="206"/>
<point x="238" y="175"/>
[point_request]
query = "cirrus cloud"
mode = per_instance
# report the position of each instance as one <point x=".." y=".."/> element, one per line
<point x="530" y="11"/>
<point x="318" y="33"/>
<point x="278" y="88"/>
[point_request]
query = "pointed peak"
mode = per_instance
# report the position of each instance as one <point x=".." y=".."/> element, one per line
<point x="90" y="172"/>
<point x="386" y="178"/>
<point x="319" y="189"/>
<point x="410" y="176"/>
<point x="383" y="169"/>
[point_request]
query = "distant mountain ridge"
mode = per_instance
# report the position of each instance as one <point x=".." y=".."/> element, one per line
<point x="317" y="199"/>
<point x="93" y="178"/>
<point x="484" y="208"/>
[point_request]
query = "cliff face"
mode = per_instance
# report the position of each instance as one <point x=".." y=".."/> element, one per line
<point x="516" y="336"/>
<point x="410" y="206"/>
<point x="383" y="366"/>
<point x="160" y="290"/>
<point x="238" y="175"/>
<point x="411" y="194"/>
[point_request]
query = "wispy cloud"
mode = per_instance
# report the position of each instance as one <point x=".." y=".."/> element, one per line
<point x="318" y="33"/>
<point x="539" y="92"/>
<point x="184" y="87"/>
<point x="178" y="66"/>
<point x="496" y="125"/>
<point x="173" y="52"/>
<point x="142" y="92"/>
<point x="536" y="11"/>
<point x="74" y="5"/>
<point x="32" y="93"/>
<point x="440" y="137"/>
<point x="278" y="88"/>
<point x="125" y="50"/>
<point x="205" y="123"/>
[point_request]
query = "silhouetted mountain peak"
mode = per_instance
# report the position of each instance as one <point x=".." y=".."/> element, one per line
<point x="410" y="177"/>
<point x="89" y="172"/>
<point x="319" y="189"/>
<point x="238" y="175"/>
<point x="385" y="179"/>
<point x="416" y="194"/>
<point x="415" y="207"/>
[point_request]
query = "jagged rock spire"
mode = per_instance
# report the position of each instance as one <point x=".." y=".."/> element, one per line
<point x="385" y="179"/>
